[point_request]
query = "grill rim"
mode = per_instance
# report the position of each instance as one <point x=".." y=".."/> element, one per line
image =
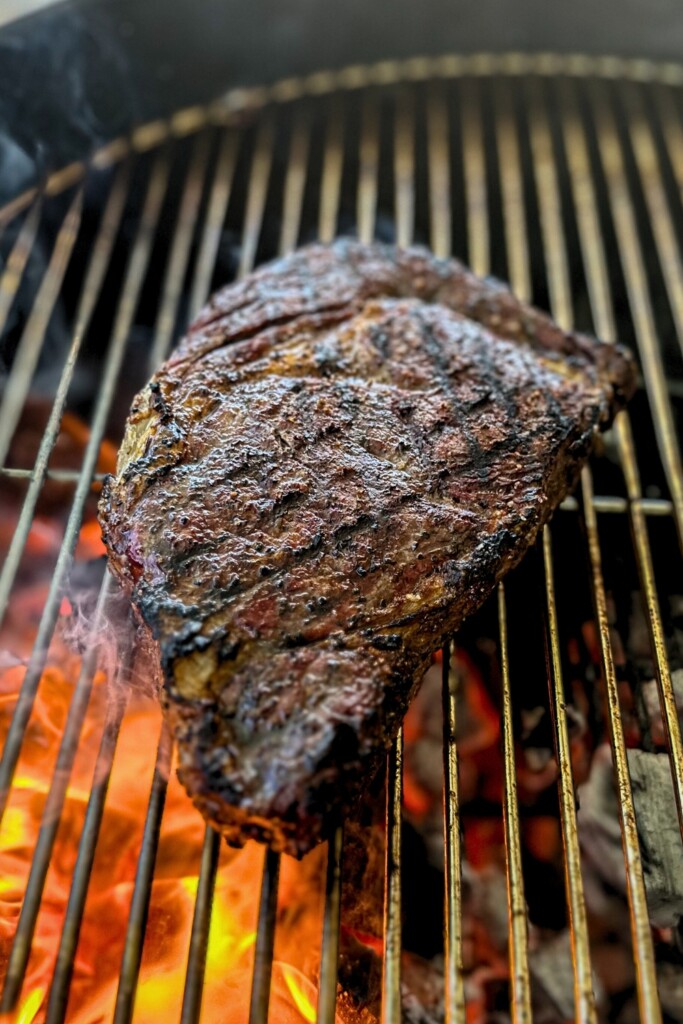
<point x="237" y="101"/>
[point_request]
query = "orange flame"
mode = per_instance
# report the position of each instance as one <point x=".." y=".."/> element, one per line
<point x="29" y="1009"/>
<point x="98" y="957"/>
<point x="302" y="992"/>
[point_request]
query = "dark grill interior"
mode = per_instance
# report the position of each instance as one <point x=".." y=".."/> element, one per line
<point x="564" y="177"/>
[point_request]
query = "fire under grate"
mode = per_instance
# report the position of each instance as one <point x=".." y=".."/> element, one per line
<point x="563" y="176"/>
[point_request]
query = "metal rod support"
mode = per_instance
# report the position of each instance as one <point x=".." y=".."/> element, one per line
<point x="265" y="940"/>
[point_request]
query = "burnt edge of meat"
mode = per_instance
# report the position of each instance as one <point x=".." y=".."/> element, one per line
<point x="316" y="291"/>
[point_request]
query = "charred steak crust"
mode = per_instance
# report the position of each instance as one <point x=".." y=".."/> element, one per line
<point x="346" y="452"/>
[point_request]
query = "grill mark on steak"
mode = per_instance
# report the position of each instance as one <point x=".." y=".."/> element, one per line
<point x="331" y="314"/>
<point x="433" y="347"/>
<point x="333" y="470"/>
<point x="342" y="536"/>
<point x="339" y="540"/>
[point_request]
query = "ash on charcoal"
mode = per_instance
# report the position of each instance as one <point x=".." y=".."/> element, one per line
<point x="639" y="646"/>
<point x="600" y="837"/>
<point x="650" y="695"/>
<point x="659" y="834"/>
<point x="485" y="899"/>
<point x="537" y="754"/>
<point x="552" y="976"/>
<point x="422" y="991"/>
<point x="670" y="989"/>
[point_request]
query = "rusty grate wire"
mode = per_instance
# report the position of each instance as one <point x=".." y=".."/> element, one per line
<point x="543" y="169"/>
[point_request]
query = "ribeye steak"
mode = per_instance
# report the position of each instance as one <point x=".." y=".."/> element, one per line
<point x="344" y="455"/>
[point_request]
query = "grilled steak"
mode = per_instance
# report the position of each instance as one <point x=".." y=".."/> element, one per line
<point x="341" y="459"/>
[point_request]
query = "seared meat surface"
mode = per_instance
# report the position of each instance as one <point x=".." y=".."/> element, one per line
<point x="338" y="463"/>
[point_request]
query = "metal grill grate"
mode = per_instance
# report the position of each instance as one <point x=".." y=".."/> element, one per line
<point x="563" y="175"/>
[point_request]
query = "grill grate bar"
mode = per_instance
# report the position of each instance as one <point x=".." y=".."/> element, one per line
<point x="391" y="974"/>
<point x="550" y="209"/>
<point x="512" y="188"/>
<point x="142" y="888"/>
<point x="52" y="811"/>
<point x="520" y="982"/>
<point x="258" y="188"/>
<point x="333" y="165"/>
<point x="584" y="999"/>
<point x="17" y="260"/>
<point x="133" y="283"/>
<point x="454" y="985"/>
<point x="641" y="933"/>
<point x="613" y="505"/>
<point x="67" y="476"/>
<point x="601" y="502"/>
<point x="404" y="167"/>
<point x="180" y="250"/>
<point x="603" y="313"/>
<point x="201" y="923"/>
<point x="327" y="994"/>
<point x="368" y="159"/>
<point x="101" y="254"/>
<point x="33" y="335"/>
<point x="295" y="181"/>
<point x="215" y="217"/>
<point x="439" y="172"/>
<point x="475" y="177"/>
<point x="265" y="940"/>
<point x="61" y="982"/>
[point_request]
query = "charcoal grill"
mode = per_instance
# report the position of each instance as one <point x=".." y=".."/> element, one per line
<point x="562" y="174"/>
